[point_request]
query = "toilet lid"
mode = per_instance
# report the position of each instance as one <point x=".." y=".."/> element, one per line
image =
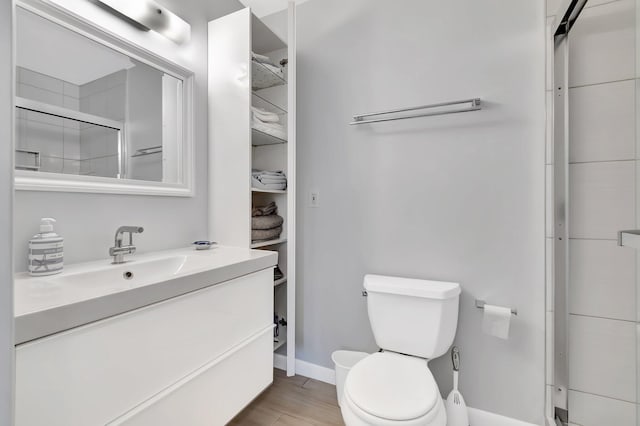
<point x="392" y="386"/>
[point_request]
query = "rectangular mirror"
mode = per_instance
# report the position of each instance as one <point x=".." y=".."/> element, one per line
<point x="92" y="118"/>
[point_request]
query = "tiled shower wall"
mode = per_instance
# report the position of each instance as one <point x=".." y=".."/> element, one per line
<point x="67" y="146"/>
<point x="603" y="164"/>
<point x="57" y="139"/>
<point x="104" y="97"/>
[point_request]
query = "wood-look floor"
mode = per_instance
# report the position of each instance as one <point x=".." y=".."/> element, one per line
<point x="292" y="401"/>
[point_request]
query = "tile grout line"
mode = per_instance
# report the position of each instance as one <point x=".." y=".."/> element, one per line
<point x="601" y="83"/>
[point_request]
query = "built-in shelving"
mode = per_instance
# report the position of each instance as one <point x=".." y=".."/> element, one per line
<point x="268" y="243"/>
<point x="259" y="138"/>
<point x="263" y="77"/>
<point x="233" y="39"/>
<point x="269" y="191"/>
<point x="260" y="101"/>
<point x="282" y="341"/>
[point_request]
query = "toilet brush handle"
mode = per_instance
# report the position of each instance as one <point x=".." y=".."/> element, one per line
<point x="455" y="358"/>
<point x="455" y="380"/>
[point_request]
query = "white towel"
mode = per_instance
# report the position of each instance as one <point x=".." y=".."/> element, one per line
<point x="262" y="59"/>
<point x="265" y="116"/>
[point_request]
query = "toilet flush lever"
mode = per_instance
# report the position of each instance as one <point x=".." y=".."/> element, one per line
<point x="364" y="293"/>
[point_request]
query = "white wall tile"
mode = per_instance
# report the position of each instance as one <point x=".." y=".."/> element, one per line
<point x="602" y="279"/>
<point x="549" y="273"/>
<point x="41" y="81"/>
<point x="71" y="90"/>
<point x="71" y="103"/>
<point x="602" y="122"/>
<point x="36" y="94"/>
<point x="71" y="167"/>
<point x="46" y="139"/>
<point x="71" y="143"/>
<point x="602" y="44"/>
<point x="602" y="199"/>
<point x="51" y="120"/>
<point x="602" y="357"/>
<point x="93" y="87"/>
<point x="593" y="410"/>
<point x="549" y="194"/>
<point x="51" y="164"/>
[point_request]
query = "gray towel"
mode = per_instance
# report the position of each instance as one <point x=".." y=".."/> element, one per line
<point x="265" y="234"/>
<point x="266" y="222"/>
<point x="267" y="210"/>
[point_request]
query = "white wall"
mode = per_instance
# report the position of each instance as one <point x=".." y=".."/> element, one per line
<point x="6" y="211"/>
<point x="89" y="221"/>
<point x="457" y="197"/>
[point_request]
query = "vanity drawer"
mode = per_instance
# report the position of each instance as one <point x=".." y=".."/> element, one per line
<point x="215" y="393"/>
<point x="95" y="373"/>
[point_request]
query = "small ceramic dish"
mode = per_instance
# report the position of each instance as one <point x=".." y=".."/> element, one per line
<point x="204" y="245"/>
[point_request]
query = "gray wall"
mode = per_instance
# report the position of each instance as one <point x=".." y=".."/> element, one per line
<point x="456" y="197"/>
<point x="6" y="204"/>
<point x="88" y="221"/>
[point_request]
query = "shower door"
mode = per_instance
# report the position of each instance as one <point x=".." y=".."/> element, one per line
<point x="592" y="172"/>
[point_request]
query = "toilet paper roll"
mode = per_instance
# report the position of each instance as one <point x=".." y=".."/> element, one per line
<point x="496" y="321"/>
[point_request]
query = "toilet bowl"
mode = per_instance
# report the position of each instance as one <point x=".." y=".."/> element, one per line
<point x="387" y="389"/>
<point x="412" y="321"/>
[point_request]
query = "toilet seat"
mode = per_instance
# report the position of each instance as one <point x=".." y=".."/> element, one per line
<point x="387" y="389"/>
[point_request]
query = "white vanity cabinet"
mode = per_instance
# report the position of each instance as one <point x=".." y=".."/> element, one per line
<point x="196" y="359"/>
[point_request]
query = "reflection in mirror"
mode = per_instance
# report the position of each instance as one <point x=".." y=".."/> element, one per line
<point x="86" y="109"/>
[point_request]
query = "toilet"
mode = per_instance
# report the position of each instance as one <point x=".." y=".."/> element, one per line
<point x="413" y="321"/>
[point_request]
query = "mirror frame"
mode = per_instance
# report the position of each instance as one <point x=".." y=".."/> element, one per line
<point x="58" y="182"/>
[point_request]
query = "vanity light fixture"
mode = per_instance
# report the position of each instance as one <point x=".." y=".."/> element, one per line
<point x="153" y="16"/>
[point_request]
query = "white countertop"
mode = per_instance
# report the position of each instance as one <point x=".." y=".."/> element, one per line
<point x="88" y="292"/>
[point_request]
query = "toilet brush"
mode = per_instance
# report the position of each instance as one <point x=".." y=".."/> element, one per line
<point x="456" y="408"/>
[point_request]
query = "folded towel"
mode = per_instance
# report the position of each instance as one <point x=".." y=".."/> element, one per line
<point x="279" y="186"/>
<point x="273" y="129"/>
<point x="265" y="234"/>
<point x="266" y="222"/>
<point x="264" y="115"/>
<point x="267" y="179"/>
<point x="269" y="209"/>
<point x="262" y="59"/>
<point x="275" y="173"/>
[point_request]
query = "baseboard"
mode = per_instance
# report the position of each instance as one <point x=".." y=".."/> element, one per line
<point x="307" y="369"/>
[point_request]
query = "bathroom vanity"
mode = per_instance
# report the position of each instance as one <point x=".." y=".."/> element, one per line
<point x="174" y="337"/>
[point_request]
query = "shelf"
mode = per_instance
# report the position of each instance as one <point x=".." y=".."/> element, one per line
<point x="260" y="102"/>
<point x="269" y="191"/>
<point x="264" y="78"/>
<point x="281" y="281"/>
<point x="268" y="243"/>
<point x="259" y="138"/>
<point x="283" y="339"/>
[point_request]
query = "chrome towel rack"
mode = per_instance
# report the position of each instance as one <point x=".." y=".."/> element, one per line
<point x="442" y="108"/>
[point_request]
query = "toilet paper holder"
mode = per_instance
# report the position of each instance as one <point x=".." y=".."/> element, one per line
<point x="480" y="305"/>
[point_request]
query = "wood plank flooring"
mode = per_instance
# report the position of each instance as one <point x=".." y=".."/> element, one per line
<point x="292" y="401"/>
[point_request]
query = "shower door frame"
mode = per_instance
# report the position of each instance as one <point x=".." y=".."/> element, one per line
<point x="571" y="10"/>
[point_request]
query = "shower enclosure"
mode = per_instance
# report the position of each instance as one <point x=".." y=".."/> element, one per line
<point x="592" y="195"/>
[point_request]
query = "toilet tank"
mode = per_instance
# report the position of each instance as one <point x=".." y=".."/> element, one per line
<point x="413" y="317"/>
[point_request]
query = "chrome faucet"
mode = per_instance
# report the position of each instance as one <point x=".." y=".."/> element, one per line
<point x="118" y="251"/>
